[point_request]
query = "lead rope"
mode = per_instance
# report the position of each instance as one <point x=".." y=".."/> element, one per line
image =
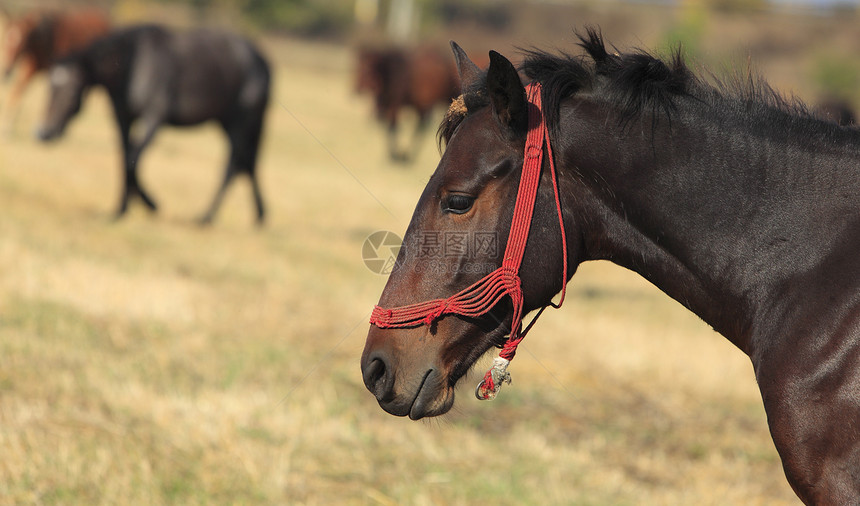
<point x="498" y="374"/>
<point x="478" y="298"/>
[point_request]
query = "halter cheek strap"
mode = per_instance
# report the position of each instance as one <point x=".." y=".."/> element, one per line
<point x="480" y="297"/>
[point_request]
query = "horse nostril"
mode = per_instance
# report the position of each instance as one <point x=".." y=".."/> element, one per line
<point x="376" y="378"/>
<point x="373" y="374"/>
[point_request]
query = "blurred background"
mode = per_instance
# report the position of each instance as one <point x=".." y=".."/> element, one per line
<point x="152" y="361"/>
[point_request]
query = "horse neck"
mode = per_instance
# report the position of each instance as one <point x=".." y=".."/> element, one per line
<point x="106" y="64"/>
<point x="708" y="213"/>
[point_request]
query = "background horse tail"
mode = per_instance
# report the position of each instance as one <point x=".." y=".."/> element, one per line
<point x="256" y="91"/>
<point x="254" y="98"/>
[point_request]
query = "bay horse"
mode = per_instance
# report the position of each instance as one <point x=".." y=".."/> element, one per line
<point x="399" y="78"/>
<point x="35" y="40"/>
<point x="156" y="77"/>
<point x="739" y="204"/>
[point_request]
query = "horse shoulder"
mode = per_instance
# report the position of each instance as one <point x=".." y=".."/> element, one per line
<point x="149" y="78"/>
<point x="812" y="400"/>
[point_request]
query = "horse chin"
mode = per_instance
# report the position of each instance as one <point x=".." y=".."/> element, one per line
<point x="435" y="394"/>
<point x="433" y="397"/>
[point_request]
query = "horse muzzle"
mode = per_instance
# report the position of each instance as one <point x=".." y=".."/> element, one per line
<point x="405" y="387"/>
<point x="46" y="134"/>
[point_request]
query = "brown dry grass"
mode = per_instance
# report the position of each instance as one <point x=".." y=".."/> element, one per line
<point x="152" y="362"/>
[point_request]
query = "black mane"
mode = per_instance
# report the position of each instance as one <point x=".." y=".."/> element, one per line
<point x="643" y="85"/>
<point x="636" y="81"/>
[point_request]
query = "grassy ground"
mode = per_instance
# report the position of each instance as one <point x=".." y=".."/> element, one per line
<point x="148" y="361"/>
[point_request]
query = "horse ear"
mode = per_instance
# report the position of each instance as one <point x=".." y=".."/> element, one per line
<point x="470" y="74"/>
<point x="507" y="93"/>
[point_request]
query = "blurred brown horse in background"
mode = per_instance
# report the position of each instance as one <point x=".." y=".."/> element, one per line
<point x="36" y="39"/>
<point x="398" y="78"/>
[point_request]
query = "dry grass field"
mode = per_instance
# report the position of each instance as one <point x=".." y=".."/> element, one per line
<point x="149" y="361"/>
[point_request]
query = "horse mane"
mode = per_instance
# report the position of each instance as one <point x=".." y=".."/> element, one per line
<point x="109" y="51"/>
<point x="635" y="81"/>
<point x="640" y="84"/>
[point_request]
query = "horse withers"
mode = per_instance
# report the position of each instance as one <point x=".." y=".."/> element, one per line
<point x="740" y="205"/>
<point x="156" y="77"/>
<point x="34" y="40"/>
<point x="398" y="78"/>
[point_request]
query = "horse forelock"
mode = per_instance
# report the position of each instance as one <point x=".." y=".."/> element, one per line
<point x="469" y="101"/>
<point x="453" y="117"/>
<point x="458" y="106"/>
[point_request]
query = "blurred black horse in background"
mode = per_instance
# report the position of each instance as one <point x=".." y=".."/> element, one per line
<point x="155" y="77"/>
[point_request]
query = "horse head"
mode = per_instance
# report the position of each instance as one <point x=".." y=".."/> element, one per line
<point x="457" y="236"/>
<point x="68" y="84"/>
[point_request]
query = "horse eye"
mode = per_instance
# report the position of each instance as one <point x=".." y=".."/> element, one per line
<point x="457" y="203"/>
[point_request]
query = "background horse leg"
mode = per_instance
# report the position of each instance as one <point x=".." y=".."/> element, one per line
<point x="258" y="198"/>
<point x="244" y="139"/>
<point x="395" y="154"/>
<point x="131" y="152"/>
<point x="417" y="136"/>
<point x="150" y="126"/>
<point x="391" y="115"/>
<point x="229" y="173"/>
<point x="28" y="69"/>
<point x="124" y="129"/>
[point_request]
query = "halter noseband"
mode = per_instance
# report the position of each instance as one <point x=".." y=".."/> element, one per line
<point x="477" y="299"/>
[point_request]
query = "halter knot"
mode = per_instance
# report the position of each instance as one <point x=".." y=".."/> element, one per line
<point x="436" y="313"/>
<point x="512" y="280"/>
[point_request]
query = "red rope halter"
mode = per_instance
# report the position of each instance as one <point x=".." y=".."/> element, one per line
<point x="477" y="299"/>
